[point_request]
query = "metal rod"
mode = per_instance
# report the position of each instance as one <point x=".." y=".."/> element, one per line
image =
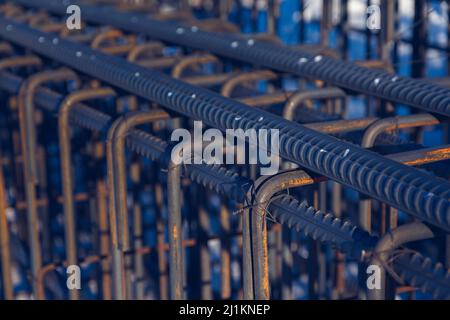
<point x="66" y="166"/>
<point x="23" y="61"/>
<point x="104" y="238"/>
<point x="265" y="99"/>
<point x="175" y="231"/>
<point x="117" y="182"/>
<point x="132" y="77"/>
<point x="392" y="240"/>
<point x="4" y="243"/>
<point x="411" y="190"/>
<point x="225" y="254"/>
<point x="28" y="144"/>
<point x="266" y="188"/>
<point x="281" y="58"/>
<point x="368" y="140"/>
<point x="296" y="100"/>
<point x="118" y="267"/>
<point x="150" y="48"/>
<point x="191" y="61"/>
<point x="232" y="83"/>
<point x="401" y="122"/>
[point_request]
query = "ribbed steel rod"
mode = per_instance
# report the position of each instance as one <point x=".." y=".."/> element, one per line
<point x="402" y="187"/>
<point x="417" y="93"/>
<point x="299" y="215"/>
<point x="421" y="272"/>
<point x="212" y="176"/>
<point x="415" y="270"/>
<point x="368" y="141"/>
<point x="5" y="250"/>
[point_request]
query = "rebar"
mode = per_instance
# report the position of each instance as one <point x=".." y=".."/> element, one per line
<point x="66" y="166"/>
<point x="28" y="138"/>
<point x="425" y="96"/>
<point x="5" y="243"/>
<point x="117" y="135"/>
<point x="385" y="247"/>
<point x="257" y="252"/>
<point x="298" y="144"/>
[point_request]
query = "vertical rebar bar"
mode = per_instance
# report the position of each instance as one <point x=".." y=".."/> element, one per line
<point x="175" y="232"/>
<point x="118" y="178"/>
<point x="66" y="167"/>
<point x="266" y="188"/>
<point x="28" y="145"/>
<point x="419" y="39"/>
<point x="368" y="141"/>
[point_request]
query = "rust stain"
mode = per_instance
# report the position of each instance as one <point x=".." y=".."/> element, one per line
<point x="340" y="126"/>
<point x="175" y="232"/>
<point x="178" y="292"/>
<point x="297" y="182"/>
<point x="266" y="265"/>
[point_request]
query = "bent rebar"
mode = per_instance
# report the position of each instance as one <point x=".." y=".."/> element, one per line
<point x="299" y="98"/>
<point x="266" y="188"/>
<point x="28" y="144"/>
<point x="298" y="144"/>
<point x="66" y="166"/>
<point x="117" y="135"/>
<point x="368" y="140"/>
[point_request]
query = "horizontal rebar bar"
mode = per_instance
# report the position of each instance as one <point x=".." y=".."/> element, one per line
<point x="405" y="188"/>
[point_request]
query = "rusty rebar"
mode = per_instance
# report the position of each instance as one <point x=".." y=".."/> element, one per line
<point x="191" y="61"/>
<point x="229" y="86"/>
<point x="4" y="242"/>
<point x="21" y="61"/>
<point x="117" y="135"/>
<point x="298" y="99"/>
<point x="266" y="188"/>
<point x="66" y="167"/>
<point x="368" y="140"/>
<point x="28" y="145"/>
